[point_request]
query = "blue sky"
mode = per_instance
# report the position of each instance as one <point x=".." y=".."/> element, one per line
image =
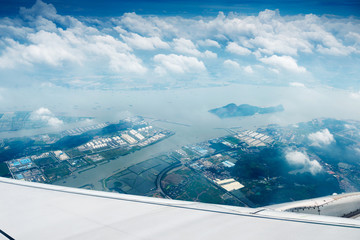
<point x="188" y="7"/>
<point x="177" y="44"/>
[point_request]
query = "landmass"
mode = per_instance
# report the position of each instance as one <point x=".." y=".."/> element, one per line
<point x="50" y="157"/>
<point x="269" y="165"/>
<point x="232" y="110"/>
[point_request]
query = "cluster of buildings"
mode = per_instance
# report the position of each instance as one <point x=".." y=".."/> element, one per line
<point x="102" y="143"/>
<point x="152" y="139"/>
<point x="80" y="130"/>
<point x="137" y="135"/>
<point x="216" y="164"/>
<point x="60" y="155"/>
<point x="130" y="140"/>
<point x="254" y="139"/>
<point x="215" y="168"/>
<point x="229" y="144"/>
<point x="228" y="164"/>
<point x="52" y="165"/>
<point x="200" y="150"/>
<point x="30" y="168"/>
<point x="19" y="165"/>
<point x="229" y="184"/>
<point x="141" y="137"/>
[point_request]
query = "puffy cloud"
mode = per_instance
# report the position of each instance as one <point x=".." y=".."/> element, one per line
<point x="42" y="111"/>
<point x="120" y="59"/>
<point x="321" y="138"/>
<point x="297" y="84"/>
<point x="235" y="66"/>
<point x="41" y="40"/>
<point x="139" y="24"/>
<point x="236" y="49"/>
<point x="178" y="64"/>
<point x="248" y="69"/>
<point x="78" y="45"/>
<point x="284" y="62"/>
<point x="337" y="51"/>
<point x="209" y="54"/>
<point x="45" y="115"/>
<point x="332" y="46"/>
<point x="39" y="9"/>
<point x="146" y="43"/>
<point x="355" y="95"/>
<point x="302" y="161"/>
<point x="231" y="64"/>
<point x="208" y="43"/>
<point x="46" y="47"/>
<point x="280" y="44"/>
<point x="186" y="46"/>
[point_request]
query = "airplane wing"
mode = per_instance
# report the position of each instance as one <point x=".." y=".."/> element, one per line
<point x="343" y="205"/>
<point x="40" y="211"/>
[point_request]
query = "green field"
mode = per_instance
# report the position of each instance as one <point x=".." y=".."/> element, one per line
<point x="191" y="186"/>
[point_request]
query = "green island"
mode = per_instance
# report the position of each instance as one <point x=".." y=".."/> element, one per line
<point x="232" y="110"/>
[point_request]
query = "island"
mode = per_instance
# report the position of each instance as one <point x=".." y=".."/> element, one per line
<point x="232" y="110"/>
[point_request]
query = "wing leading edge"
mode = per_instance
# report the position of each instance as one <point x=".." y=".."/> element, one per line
<point x="40" y="211"/>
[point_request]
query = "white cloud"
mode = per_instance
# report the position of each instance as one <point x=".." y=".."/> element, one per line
<point x="209" y="54"/>
<point x="45" y="115"/>
<point x="42" y="111"/>
<point x="331" y="46"/>
<point x="118" y="54"/>
<point x="248" y="69"/>
<point x="337" y="51"/>
<point x="46" y="47"/>
<point x="236" y="49"/>
<point x="208" y="43"/>
<point x="280" y="44"/>
<point x="301" y="160"/>
<point x="39" y="9"/>
<point x="231" y="64"/>
<point x="357" y="150"/>
<point x="185" y="46"/>
<point x="178" y="64"/>
<point x="54" y="122"/>
<point x="297" y="84"/>
<point x="355" y="95"/>
<point x="146" y="43"/>
<point x="284" y="62"/>
<point x="79" y="46"/>
<point x="321" y="138"/>
<point x="40" y="40"/>
<point x="139" y="24"/>
<point x="235" y="66"/>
